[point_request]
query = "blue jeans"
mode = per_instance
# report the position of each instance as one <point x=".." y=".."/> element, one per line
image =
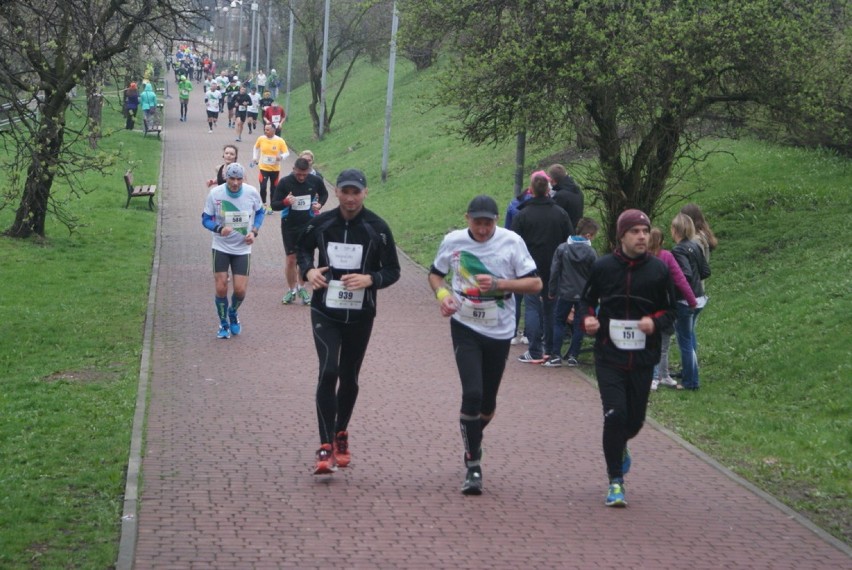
<point x="686" y="342"/>
<point x="539" y="317"/>
<point x="560" y="315"/>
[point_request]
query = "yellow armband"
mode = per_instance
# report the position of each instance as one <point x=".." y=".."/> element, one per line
<point x="441" y="292"/>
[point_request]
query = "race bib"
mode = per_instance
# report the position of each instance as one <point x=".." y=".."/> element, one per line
<point x="337" y="297"/>
<point x="483" y="313"/>
<point x="268" y="160"/>
<point x="276" y="119"/>
<point x="241" y="108"/>
<point x="238" y="220"/>
<point x="345" y="255"/>
<point x="626" y="334"/>
<point x="304" y="203"/>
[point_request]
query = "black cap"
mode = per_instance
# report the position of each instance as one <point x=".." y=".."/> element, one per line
<point x="352" y="177"/>
<point x="482" y="207"/>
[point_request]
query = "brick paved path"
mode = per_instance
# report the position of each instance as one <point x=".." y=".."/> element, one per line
<point x="231" y="435"/>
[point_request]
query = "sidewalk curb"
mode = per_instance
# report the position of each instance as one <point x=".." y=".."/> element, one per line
<point x="129" y="526"/>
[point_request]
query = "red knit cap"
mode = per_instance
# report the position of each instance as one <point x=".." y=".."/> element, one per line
<point x="628" y="219"/>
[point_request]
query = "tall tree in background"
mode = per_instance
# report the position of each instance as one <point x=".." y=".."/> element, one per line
<point x="47" y="48"/>
<point x="356" y="28"/>
<point x="636" y="79"/>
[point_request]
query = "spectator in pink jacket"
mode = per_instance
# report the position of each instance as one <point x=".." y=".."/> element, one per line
<point x="655" y="246"/>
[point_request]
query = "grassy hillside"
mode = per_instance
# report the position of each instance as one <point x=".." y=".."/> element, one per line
<point x="775" y="405"/>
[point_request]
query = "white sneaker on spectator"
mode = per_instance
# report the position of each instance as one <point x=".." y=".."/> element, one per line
<point x="668" y="381"/>
<point x="654" y="384"/>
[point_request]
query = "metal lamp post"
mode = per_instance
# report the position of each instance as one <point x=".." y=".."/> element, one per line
<point x="235" y="4"/>
<point x="254" y="7"/>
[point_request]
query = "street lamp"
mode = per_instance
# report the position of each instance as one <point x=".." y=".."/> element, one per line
<point x="254" y="7"/>
<point x="235" y="4"/>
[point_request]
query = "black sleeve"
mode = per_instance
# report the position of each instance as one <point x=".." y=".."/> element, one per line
<point x="276" y="201"/>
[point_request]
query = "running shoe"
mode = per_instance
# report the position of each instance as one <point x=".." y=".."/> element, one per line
<point x="235" y="322"/>
<point x="626" y="461"/>
<point x="288" y="297"/>
<point x="668" y="381"/>
<point x="224" y="331"/>
<point x="572" y="361"/>
<point x="654" y="384"/>
<point x="238" y="139"/>
<point x="210" y="131"/>
<point x="341" y="449"/>
<point x="304" y="296"/>
<point x="528" y="358"/>
<point x="615" y="494"/>
<point x="325" y="460"/>
<point x="552" y="362"/>
<point x="472" y="482"/>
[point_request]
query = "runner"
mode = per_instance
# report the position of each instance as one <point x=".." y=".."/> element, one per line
<point x="253" y="109"/>
<point x="488" y="264"/>
<point x="184" y="87"/>
<point x="230" y="153"/>
<point x="274" y="115"/>
<point x="212" y="99"/>
<point x="636" y="298"/>
<point x="357" y="257"/>
<point x="242" y="100"/>
<point x="299" y="196"/>
<point x="234" y="213"/>
<point x="269" y="151"/>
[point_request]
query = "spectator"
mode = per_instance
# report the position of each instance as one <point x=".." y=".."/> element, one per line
<point x="131" y="104"/>
<point x="695" y="269"/>
<point x="572" y="263"/>
<point x="543" y="226"/>
<point x="567" y="194"/>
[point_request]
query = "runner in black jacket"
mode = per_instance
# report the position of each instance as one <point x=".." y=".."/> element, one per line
<point x="636" y="299"/>
<point x="357" y="257"/>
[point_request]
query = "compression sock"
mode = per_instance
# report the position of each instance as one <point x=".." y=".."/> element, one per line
<point x="471" y="431"/>
<point x="222" y="308"/>
<point x="236" y="302"/>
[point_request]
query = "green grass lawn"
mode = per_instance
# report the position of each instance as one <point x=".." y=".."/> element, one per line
<point x="74" y="307"/>
<point x="775" y="404"/>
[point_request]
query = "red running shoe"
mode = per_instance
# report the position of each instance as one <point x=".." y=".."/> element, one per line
<point x="341" y="449"/>
<point x="325" y="460"/>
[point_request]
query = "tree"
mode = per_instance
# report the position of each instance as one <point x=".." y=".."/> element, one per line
<point x="356" y="28"/>
<point x="635" y="78"/>
<point x="47" y="48"/>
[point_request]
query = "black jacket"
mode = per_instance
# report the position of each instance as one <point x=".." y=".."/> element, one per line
<point x="379" y="258"/>
<point x="543" y="226"/>
<point x="570" y="198"/>
<point x="695" y="268"/>
<point x="630" y="289"/>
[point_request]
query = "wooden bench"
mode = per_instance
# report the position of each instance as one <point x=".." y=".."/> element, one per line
<point x="138" y="191"/>
<point x="154" y="126"/>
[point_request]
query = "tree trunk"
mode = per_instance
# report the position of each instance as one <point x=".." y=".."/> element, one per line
<point x="94" y="106"/>
<point x="32" y="212"/>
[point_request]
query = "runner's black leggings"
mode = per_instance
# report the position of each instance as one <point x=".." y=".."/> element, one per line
<point x="480" y="361"/>
<point x="624" y="396"/>
<point x="340" y="349"/>
<point x="267" y="178"/>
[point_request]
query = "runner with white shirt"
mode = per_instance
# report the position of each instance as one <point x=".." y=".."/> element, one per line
<point x="488" y="265"/>
<point x="234" y="213"/>
<point x="212" y="98"/>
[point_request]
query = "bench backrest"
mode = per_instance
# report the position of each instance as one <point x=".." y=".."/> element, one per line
<point x="128" y="179"/>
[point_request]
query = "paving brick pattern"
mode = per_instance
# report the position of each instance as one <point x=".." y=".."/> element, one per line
<point x="231" y="436"/>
